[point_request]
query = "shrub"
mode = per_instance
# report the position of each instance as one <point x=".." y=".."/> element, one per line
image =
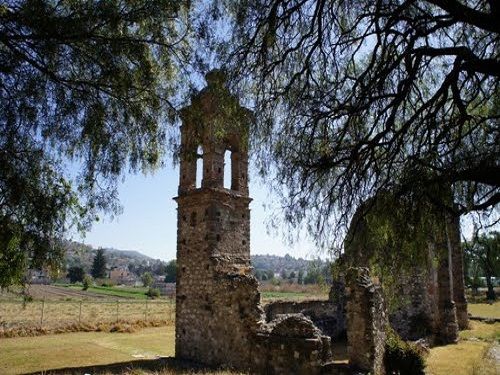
<point x="87" y="281"/>
<point x="153" y="292"/>
<point x="147" y="279"/>
<point x="401" y="357"/>
<point x="276" y="282"/>
<point x="106" y="282"/>
<point x="76" y="274"/>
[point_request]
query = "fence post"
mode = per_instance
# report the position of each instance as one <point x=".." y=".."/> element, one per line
<point x="80" y="313"/>
<point x="117" y="302"/>
<point x="41" y="315"/>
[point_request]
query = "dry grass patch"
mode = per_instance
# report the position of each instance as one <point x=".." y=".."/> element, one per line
<point x="36" y="354"/>
<point x="485" y="310"/>
<point x="468" y="357"/>
<point x="481" y="331"/>
<point x="487" y="365"/>
<point x="459" y="359"/>
<point x="32" y="318"/>
<point x="121" y="326"/>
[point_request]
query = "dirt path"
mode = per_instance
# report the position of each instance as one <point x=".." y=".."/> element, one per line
<point x="494" y="354"/>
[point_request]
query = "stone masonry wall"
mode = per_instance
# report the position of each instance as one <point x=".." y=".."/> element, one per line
<point x="415" y="318"/>
<point x="291" y="344"/>
<point x="457" y="254"/>
<point x="210" y="270"/>
<point x="366" y="322"/>
<point x="328" y="316"/>
<point x="219" y="321"/>
<point x="432" y="294"/>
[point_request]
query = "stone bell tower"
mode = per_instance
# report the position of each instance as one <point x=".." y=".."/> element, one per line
<point x="213" y="226"/>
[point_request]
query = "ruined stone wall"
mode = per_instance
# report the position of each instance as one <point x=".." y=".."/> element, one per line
<point x="430" y="294"/>
<point x="415" y="316"/>
<point x="328" y="316"/>
<point x="291" y="344"/>
<point x="457" y="254"/>
<point x="219" y="321"/>
<point x="366" y="322"/>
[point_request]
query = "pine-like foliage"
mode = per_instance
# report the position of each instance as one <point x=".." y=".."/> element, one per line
<point x="99" y="265"/>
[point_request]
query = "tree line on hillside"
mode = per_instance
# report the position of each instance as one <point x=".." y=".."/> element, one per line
<point x="98" y="270"/>
<point x="482" y="262"/>
<point x="315" y="272"/>
<point x="146" y="273"/>
<point x="98" y="273"/>
<point x="83" y="256"/>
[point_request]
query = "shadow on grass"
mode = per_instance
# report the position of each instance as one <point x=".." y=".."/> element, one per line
<point x="162" y="364"/>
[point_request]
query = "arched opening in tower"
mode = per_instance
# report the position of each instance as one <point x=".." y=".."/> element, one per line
<point x="199" y="166"/>
<point x="227" y="169"/>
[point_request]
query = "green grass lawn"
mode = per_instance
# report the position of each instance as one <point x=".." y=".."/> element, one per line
<point x="114" y="291"/>
<point x="485" y="310"/>
<point x="30" y="354"/>
<point x="268" y="296"/>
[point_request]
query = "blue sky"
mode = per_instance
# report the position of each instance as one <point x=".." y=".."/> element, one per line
<point x="149" y="223"/>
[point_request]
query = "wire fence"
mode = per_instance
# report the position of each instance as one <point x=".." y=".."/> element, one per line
<point x="54" y="314"/>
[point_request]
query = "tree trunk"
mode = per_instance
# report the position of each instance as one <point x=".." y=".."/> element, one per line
<point x="490" y="294"/>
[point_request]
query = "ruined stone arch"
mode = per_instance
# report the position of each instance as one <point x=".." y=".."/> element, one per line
<point x="432" y="286"/>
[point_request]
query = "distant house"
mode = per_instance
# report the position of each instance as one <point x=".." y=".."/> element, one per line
<point x="159" y="278"/>
<point x="121" y="275"/>
<point x="39" y="276"/>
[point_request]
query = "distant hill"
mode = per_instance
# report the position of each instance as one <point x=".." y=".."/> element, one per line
<point x="78" y="254"/>
<point x="132" y="254"/>
<point x="278" y="264"/>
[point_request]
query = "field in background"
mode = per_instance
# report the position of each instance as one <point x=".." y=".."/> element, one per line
<point x="112" y="291"/>
<point x="60" y="309"/>
<point x="61" y="315"/>
<point x="292" y="292"/>
<point x="70" y="292"/>
<point x="485" y="309"/>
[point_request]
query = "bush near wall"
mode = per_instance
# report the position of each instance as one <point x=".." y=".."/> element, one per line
<point x="401" y="357"/>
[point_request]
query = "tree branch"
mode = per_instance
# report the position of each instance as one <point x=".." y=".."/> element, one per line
<point x="462" y="13"/>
